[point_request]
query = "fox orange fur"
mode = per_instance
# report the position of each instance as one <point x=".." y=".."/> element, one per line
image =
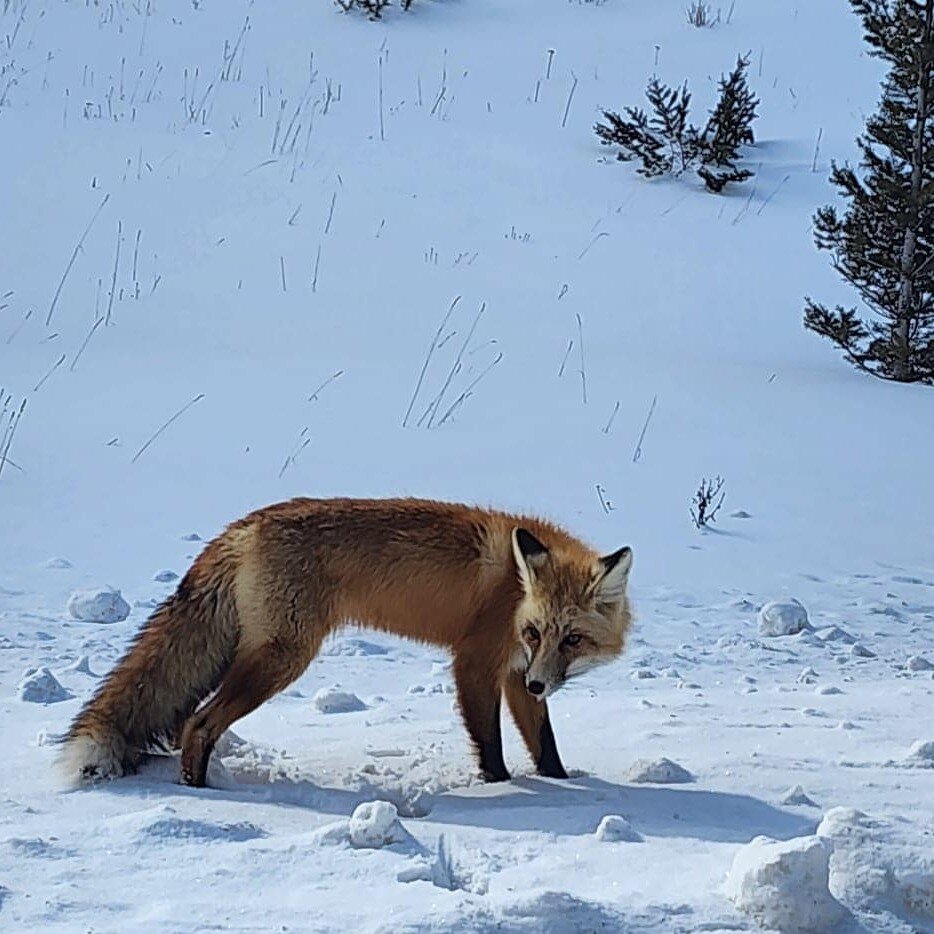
<point x="521" y="604"/>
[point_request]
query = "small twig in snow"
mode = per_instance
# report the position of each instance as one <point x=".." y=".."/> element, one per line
<point x="431" y="350"/>
<point x="567" y="107"/>
<point x="327" y="226"/>
<point x="74" y="255"/>
<point x="609" y="424"/>
<point x="637" y="453"/>
<point x="94" y="327"/>
<point x="583" y="252"/>
<point x="314" y="396"/>
<point x="113" y="281"/>
<point x="314" y="279"/>
<point x="178" y="414"/>
<point x="820" y="133"/>
<point x="583" y="369"/>
<point x="55" y="366"/>
<point x="605" y="503"/>
<point x="564" y="361"/>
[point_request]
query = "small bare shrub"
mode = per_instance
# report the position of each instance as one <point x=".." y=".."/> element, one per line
<point x="701" y="15"/>
<point x="707" y="502"/>
<point x="373" y="8"/>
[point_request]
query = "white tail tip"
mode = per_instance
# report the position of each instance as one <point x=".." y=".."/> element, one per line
<point x="85" y="759"/>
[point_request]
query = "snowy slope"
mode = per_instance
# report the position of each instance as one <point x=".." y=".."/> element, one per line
<point x="279" y="225"/>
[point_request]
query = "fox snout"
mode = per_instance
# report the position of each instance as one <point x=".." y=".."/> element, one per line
<point x="540" y="682"/>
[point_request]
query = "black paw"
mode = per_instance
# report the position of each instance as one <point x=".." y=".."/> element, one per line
<point x="489" y="775"/>
<point x="552" y="771"/>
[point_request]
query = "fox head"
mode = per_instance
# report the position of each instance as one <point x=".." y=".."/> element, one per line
<point x="573" y="615"/>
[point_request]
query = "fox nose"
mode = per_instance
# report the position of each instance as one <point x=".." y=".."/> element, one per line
<point x="536" y="687"/>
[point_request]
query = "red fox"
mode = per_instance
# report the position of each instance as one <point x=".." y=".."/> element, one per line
<point x="521" y="604"/>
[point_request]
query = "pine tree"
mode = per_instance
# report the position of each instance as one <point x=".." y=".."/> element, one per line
<point x="883" y="244"/>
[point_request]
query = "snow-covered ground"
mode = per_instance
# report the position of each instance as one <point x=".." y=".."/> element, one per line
<point x="300" y="193"/>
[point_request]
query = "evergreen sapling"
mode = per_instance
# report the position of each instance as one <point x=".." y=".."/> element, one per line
<point x="667" y="143"/>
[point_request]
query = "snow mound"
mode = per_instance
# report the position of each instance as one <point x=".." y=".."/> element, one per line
<point x="545" y="912"/>
<point x="877" y="865"/>
<point x="558" y="913"/>
<point x="375" y="824"/>
<point x="334" y="700"/>
<point x="179" y="828"/>
<point x="100" y="605"/>
<point x="56" y="564"/>
<point x="410" y="792"/>
<point x="858" y="650"/>
<point x="613" y="828"/>
<point x="230" y="744"/>
<point x="783" y="618"/>
<point x="453" y="868"/>
<point x="642" y="674"/>
<point x="660" y="771"/>
<point x="922" y="751"/>
<point x="165" y="576"/>
<point x="919" y="663"/>
<point x="83" y="666"/>
<point x="797" y="795"/>
<point x="355" y="647"/>
<point x="333" y="834"/>
<point x="835" y="634"/>
<point x="785" y="885"/>
<point x="842" y="822"/>
<point x="808" y="676"/>
<point x="40" y="686"/>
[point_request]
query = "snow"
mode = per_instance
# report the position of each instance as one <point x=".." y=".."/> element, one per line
<point x="614" y="828"/>
<point x="660" y="771"/>
<point x="334" y="700"/>
<point x="876" y="866"/>
<point x="783" y="618"/>
<point x="922" y="750"/>
<point x="98" y="605"/>
<point x="40" y="686"/>
<point x="298" y="289"/>
<point x="375" y="824"/>
<point x="784" y="885"/>
<point x="797" y="795"/>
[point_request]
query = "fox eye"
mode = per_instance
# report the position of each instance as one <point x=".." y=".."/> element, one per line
<point x="572" y="639"/>
<point x="532" y="634"/>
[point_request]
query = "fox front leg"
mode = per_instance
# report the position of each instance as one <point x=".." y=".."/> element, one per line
<point x="478" y="694"/>
<point x="531" y="716"/>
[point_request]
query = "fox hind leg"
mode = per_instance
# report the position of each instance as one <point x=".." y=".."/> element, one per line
<point x="253" y="677"/>
<point x="531" y="716"/>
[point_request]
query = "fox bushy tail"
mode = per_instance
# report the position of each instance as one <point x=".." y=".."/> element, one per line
<point x="178" y="658"/>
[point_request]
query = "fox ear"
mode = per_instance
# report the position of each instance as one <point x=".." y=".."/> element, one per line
<point x="610" y="586"/>
<point x="530" y="555"/>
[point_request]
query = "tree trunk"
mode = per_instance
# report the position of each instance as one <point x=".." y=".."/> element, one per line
<point x="903" y="312"/>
